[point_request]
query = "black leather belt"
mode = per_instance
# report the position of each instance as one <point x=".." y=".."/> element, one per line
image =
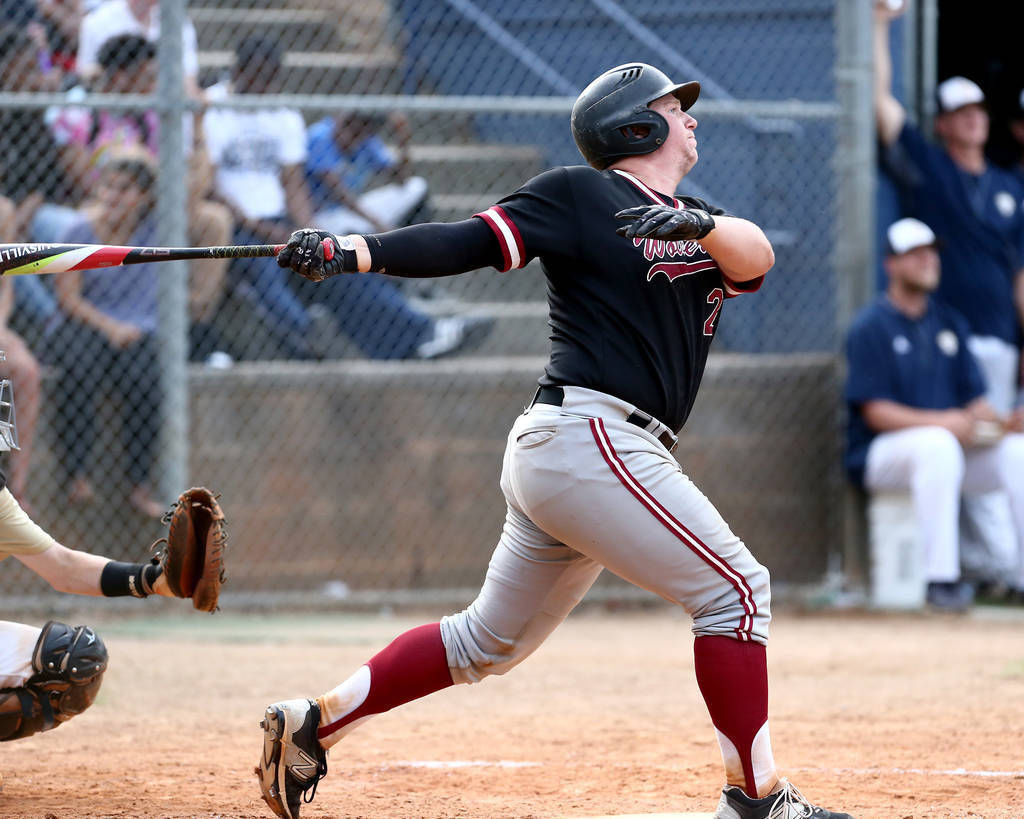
<point x="556" y="395"/>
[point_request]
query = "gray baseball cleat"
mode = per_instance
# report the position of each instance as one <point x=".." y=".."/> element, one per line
<point x="787" y="803"/>
<point x="293" y="761"/>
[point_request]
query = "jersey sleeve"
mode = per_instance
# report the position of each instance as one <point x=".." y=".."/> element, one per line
<point x="869" y="374"/>
<point x="537" y="219"/>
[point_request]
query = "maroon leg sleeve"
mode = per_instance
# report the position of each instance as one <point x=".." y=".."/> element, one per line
<point x="733" y="679"/>
<point x="413" y="665"/>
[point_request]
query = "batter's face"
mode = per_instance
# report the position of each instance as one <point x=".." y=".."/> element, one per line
<point x="681" y="142"/>
<point x="916" y="270"/>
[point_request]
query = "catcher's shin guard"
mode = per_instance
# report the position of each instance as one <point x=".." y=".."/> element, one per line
<point x="293" y="761"/>
<point x="69" y="663"/>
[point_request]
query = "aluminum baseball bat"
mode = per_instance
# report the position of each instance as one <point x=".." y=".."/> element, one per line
<point x="19" y="259"/>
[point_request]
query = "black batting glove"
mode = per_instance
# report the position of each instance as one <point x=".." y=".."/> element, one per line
<point x="307" y="254"/>
<point x="663" y="222"/>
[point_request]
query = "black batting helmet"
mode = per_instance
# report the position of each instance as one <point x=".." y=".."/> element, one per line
<point x="604" y="112"/>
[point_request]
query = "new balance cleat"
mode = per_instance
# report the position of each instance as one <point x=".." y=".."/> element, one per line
<point x="787" y="803"/>
<point x="293" y="761"/>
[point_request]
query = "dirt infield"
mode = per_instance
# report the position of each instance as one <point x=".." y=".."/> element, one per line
<point x="894" y="716"/>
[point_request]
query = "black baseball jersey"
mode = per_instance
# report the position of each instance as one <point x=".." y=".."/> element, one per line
<point x="633" y="318"/>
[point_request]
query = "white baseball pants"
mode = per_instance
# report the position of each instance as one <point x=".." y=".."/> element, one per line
<point x="931" y="464"/>
<point x="988" y="538"/>
<point x="587" y="490"/>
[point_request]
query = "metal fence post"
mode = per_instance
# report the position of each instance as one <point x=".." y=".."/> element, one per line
<point x="855" y="197"/>
<point x="172" y="232"/>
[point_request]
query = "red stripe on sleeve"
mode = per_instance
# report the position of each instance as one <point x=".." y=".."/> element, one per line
<point x="515" y="232"/>
<point x="488" y="218"/>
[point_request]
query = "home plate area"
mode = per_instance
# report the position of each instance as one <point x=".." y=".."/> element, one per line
<point x="656" y="816"/>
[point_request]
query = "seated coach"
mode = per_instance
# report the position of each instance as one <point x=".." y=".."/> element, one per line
<point x="918" y="418"/>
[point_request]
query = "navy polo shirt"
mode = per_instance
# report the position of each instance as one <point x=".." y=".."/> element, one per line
<point x="980" y="223"/>
<point x="922" y="363"/>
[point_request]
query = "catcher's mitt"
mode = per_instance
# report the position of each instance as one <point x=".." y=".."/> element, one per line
<point x="193" y="555"/>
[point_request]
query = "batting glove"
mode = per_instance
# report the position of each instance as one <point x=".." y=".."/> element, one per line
<point x="663" y="222"/>
<point x="317" y="255"/>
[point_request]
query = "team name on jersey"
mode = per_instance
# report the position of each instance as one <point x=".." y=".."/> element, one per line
<point x="661" y="249"/>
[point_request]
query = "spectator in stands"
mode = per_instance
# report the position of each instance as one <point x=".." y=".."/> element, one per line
<point x="104" y="340"/>
<point x="260" y="157"/>
<point x="53" y="25"/>
<point x="139" y="17"/>
<point x="975" y="209"/>
<point x="346" y="156"/>
<point x="129" y="67"/>
<point x="31" y="170"/>
<point x="918" y="416"/>
<point x="62" y="19"/>
<point x="21" y="367"/>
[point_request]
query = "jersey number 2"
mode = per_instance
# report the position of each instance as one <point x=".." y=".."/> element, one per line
<point x="715" y="298"/>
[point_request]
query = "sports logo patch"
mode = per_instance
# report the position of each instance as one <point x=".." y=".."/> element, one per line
<point x="947" y="341"/>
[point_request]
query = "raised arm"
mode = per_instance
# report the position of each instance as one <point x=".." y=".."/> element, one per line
<point x="889" y="113"/>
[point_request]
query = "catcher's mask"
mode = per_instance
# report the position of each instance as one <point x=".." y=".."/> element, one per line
<point x="611" y="119"/>
<point x="8" y="425"/>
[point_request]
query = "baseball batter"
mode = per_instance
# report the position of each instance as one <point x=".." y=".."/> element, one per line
<point x="637" y="279"/>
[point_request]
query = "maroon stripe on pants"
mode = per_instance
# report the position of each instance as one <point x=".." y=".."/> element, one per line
<point x="689" y="539"/>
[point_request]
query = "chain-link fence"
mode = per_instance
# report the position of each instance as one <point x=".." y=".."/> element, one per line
<point x="356" y="428"/>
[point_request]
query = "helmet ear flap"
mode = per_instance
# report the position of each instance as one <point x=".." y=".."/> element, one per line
<point x="621" y="140"/>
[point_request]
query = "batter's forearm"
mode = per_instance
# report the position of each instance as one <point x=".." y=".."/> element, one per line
<point x="424" y="251"/>
<point x="740" y="248"/>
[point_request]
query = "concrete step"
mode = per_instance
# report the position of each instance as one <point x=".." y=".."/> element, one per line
<point x="369" y="72"/>
<point x="520" y="328"/>
<point x="465" y="169"/>
<point x="384" y="475"/>
<point x="201" y="6"/>
<point x="450" y="207"/>
<point x="487" y="285"/>
<point x="295" y="29"/>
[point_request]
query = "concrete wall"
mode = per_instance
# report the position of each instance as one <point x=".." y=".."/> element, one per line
<point x="385" y="475"/>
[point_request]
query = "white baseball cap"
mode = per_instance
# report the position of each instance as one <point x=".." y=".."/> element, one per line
<point x="956" y="92"/>
<point x="909" y="234"/>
